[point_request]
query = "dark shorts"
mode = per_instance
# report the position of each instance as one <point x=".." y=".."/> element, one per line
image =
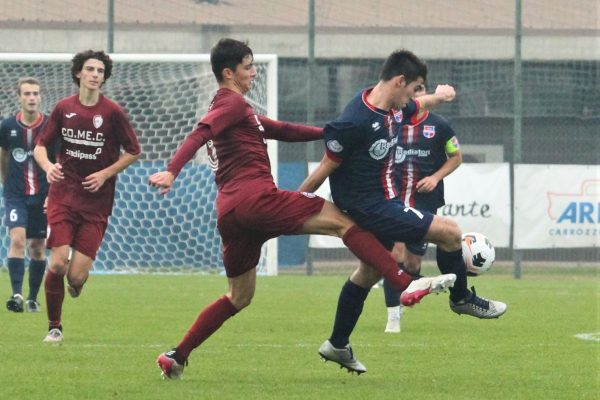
<point x="420" y="248"/>
<point x="259" y="218"/>
<point x="27" y="212"/>
<point x="83" y="231"/>
<point x="391" y="221"/>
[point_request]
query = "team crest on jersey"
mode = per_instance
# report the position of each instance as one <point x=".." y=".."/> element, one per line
<point x="334" y="146"/>
<point x="19" y="154"/>
<point x="98" y="120"/>
<point x="397" y="115"/>
<point x="429" y="131"/>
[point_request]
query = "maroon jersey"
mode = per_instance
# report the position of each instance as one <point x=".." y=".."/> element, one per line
<point x="235" y="138"/>
<point x="90" y="140"/>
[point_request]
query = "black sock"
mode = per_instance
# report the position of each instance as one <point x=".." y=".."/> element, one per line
<point x="392" y="295"/>
<point x="16" y="270"/>
<point x="36" y="276"/>
<point x="453" y="263"/>
<point x="350" y="305"/>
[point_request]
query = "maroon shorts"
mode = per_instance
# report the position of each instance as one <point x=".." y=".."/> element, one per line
<point x="81" y="230"/>
<point x="259" y="218"/>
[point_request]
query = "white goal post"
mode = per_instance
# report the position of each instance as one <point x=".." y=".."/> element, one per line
<point x="164" y="95"/>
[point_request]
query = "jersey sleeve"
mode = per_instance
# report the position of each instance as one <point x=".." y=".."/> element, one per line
<point x="51" y="130"/>
<point x="4" y="142"/>
<point x="127" y="136"/>
<point x="289" y="132"/>
<point x="226" y="112"/>
<point x="340" y="139"/>
<point x="451" y="144"/>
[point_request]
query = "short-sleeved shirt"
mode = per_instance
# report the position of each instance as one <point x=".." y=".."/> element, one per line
<point x="91" y="138"/>
<point x="422" y="150"/>
<point x="24" y="176"/>
<point x="363" y="139"/>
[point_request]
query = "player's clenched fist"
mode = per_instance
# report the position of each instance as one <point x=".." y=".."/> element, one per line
<point x="446" y="92"/>
<point x="163" y="179"/>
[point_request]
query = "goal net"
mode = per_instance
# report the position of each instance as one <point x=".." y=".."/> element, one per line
<point x="164" y="96"/>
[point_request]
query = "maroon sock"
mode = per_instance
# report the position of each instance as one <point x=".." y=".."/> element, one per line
<point x="209" y="320"/>
<point x="368" y="249"/>
<point x="54" y="286"/>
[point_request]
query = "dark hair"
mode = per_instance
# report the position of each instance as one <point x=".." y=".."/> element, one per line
<point x="27" y="79"/>
<point x="80" y="58"/>
<point x="228" y="53"/>
<point x="403" y="62"/>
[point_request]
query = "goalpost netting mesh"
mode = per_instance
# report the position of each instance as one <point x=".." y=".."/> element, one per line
<point x="164" y="96"/>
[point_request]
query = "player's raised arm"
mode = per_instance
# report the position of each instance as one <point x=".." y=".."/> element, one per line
<point x="443" y="94"/>
<point x="288" y="132"/>
<point x="318" y="176"/>
<point x="164" y="179"/>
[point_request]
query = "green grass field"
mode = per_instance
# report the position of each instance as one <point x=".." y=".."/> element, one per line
<point x="115" y="330"/>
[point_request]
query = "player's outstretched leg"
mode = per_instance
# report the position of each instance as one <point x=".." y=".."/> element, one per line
<point x="343" y="356"/>
<point x="478" y="306"/>
<point x="170" y="368"/>
<point x="421" y="287"/>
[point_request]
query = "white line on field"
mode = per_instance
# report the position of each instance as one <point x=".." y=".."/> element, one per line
<point x="594" y="337"/>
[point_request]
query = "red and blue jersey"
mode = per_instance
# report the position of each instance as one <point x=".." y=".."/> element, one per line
<point x="363" y="139"/>
<point x="422" y="148"/>
<point x="24" y="177"/>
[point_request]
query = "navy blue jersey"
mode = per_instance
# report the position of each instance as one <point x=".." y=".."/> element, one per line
<point x="24" y="176"/>
<point x="422" y="150"/>
<point x="363" y="140"/>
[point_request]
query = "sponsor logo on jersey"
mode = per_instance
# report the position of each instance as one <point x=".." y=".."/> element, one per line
<point x="397" y="115"/>
<point x="334" y="146"/>
<point x="13" y="133"/>
<point x="429" y="131"/>
<point x="213" y="159"/>
<point x="98" y="120"/>
<point x="19" y="154"/>
<point x="401" y="154"/>
<point x="70" y="115"/>
<point x="380" y="148"/>
<point x="376" y="125"/>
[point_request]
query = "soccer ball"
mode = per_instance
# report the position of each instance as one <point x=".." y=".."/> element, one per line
<point x="478" y="253"/>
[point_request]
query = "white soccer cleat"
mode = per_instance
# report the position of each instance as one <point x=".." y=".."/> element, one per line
<point x="344" y="357"/>
<point x="479" y="307"/>
<point x="421" y="287"/>
<point x="54" y="336"/>
<point x="170" y="368"/>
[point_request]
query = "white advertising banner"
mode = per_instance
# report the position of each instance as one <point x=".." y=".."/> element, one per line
<point x="557" y="206"/>
<point x="477" y="198"/>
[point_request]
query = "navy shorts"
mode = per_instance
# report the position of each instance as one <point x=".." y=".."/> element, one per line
<point x="26" y="212"/>
<point x="391" y="221"/>
<point x="420" y="248"/>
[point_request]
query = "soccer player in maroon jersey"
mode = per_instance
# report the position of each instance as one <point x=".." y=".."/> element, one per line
<point x="25" y="190"/>
<point x="91" y="130"/>
<point x="250" y="208"/>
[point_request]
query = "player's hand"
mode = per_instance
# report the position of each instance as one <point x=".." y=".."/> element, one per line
<point x="92" y="183"/>
<point x="46" y="205"/>
<point x="445" y="92"/>
<point x="54" y="173"/>
<point x="427" y="184"/>
<point x="163" y="180"/>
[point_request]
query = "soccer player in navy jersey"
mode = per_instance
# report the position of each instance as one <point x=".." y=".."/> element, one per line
<point x="251" y="209"/>
<point x="25" y="190"/>
<point x="91" y="130"/>
<point x="360" y="161"/>
<point x="428" y="151"/>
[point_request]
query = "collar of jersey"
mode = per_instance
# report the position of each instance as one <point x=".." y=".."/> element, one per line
<point x="32" y="126"/>
<point x="370" y="106"/>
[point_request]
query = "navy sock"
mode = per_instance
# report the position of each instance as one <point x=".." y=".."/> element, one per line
<point x="16" y="270"/>
<point x="350" y="305"/>
<point x="392" y="295"/>
<point x="36" y="276"/>
<point x="453" y="263"/>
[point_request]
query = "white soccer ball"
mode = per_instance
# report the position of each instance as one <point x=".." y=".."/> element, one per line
<point x="478" y="253"/>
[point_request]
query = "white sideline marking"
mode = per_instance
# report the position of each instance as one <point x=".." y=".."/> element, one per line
<point x="594" y="337"/>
